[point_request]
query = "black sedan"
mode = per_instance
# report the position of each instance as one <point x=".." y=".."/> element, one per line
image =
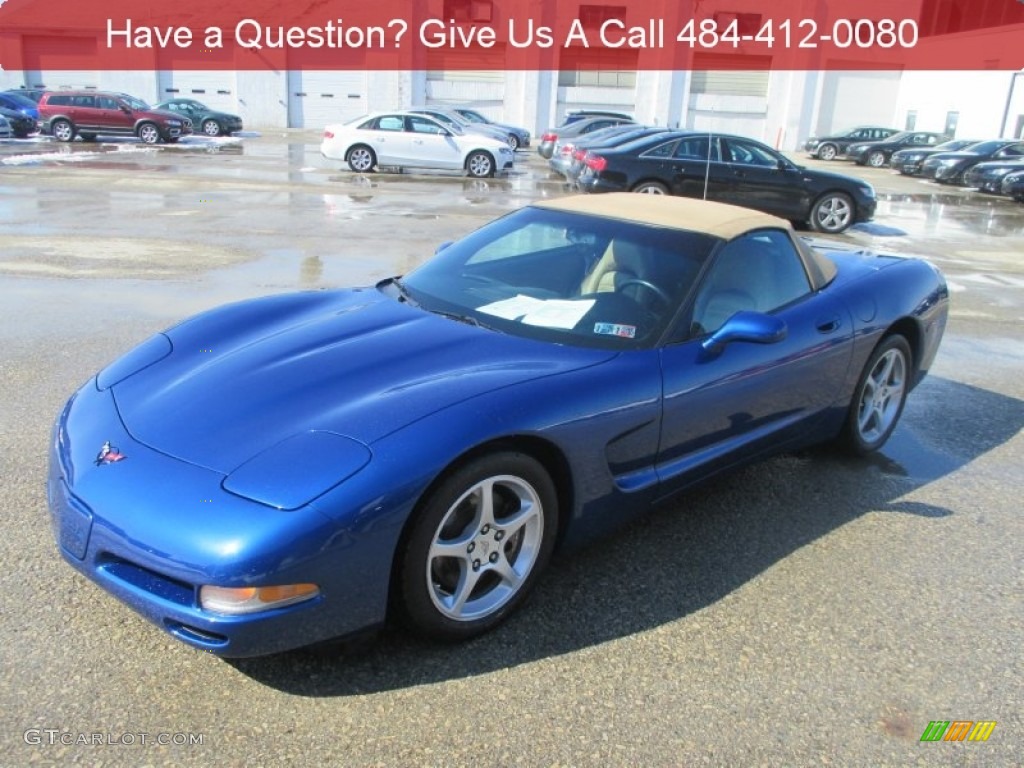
<point x="740" y="171"/>
<point x="832" y="146"/>
<point x="988" y="177"/>
<point x="21" y="124"/>
<point x="908" y="161"/>
<point x="206" y="120"/>
<point x="555" y="136"/>
<point x="950" y="167"/>
<point x="877" y="153"/>
<point x="1013" y="186"/>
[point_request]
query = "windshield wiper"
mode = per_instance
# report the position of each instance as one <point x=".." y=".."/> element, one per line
<point x="467" y="319"/>
<point x="403" y="292"/>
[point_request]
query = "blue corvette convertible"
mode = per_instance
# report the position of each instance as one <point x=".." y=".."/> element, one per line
<point x="290" y="469"/>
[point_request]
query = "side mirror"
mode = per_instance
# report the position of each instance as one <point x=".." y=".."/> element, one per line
<point x="751" y="327"/>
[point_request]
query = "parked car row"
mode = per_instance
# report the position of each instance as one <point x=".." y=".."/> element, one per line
<point x="87" y="113"/>
<point x="995" y="166"/>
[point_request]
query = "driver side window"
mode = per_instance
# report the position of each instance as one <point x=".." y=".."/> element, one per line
<point x="758" y="272"/>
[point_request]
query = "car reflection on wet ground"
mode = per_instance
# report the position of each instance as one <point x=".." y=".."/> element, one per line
<point x="805" y="610"/>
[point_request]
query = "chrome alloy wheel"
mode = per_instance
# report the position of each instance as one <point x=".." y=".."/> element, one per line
<point x="485" y="548"/>
<point x="832" y="214"/>
<point x="881" y="397"/>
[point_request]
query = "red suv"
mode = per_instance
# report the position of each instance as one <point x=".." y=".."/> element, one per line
<point x="66" y="114"/>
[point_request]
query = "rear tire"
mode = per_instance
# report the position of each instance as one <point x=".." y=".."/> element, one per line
<point x="62" y="130"/>
<point x="879" y="397"/>
<point x="361" y="159"/>
<point x="650" y="188"/>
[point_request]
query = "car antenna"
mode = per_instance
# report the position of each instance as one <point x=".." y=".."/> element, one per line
<point x="707" y="166"/>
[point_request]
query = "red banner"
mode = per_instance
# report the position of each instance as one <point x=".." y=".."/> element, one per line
<point x="505" y="34"/>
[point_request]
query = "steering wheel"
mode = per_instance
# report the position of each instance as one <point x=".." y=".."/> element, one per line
<point x="664" y="297"/>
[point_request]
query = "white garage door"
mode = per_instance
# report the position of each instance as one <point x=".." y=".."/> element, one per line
<point x="48" y="62"/>
<point x="857" y="98"/>
<point x="188" y="76"/>
<point x="318" y="98"/>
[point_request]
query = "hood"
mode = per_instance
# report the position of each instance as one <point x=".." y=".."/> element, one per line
<point x="164" y="113"/>
<point x="954" y="156"/>
<point x="832" y="177"/>
<point x="356" y="363"/>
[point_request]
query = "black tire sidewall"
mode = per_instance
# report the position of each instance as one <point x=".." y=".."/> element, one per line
<point x="851" y="438"/>
<point x="412" y="591"/>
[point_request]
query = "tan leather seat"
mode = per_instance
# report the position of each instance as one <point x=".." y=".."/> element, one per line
<point x="622" y="260"/>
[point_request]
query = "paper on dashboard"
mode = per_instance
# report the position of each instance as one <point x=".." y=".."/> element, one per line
<point x="548" y="313"/>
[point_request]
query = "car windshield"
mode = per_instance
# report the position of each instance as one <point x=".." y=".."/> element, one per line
<point x="449" y="122"/>
<point x="985" y="147"/>
<point x="134" y="103"/>
<point x="474" y="117"/>
<point x="564" y="277"/>
<point x="896" y="137"/>
<point x="19" y="101"/>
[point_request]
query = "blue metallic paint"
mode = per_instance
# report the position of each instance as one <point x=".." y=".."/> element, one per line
<point x="417" y="392"/>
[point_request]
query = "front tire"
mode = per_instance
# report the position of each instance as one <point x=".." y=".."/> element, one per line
<point x="211" y="128"/>
<point x="832" y="213"/>
<point x="480" y="165"/>
<point x="62" y="130"/>
<point x="513" y="142"/>
<point x="149" y="133"/>
<point x="476" y="547"/>
<point x="361" y="159"/>
<point x="879" y="397"/>
<point x="827" y="152"/>
<point x="876" y="159"/>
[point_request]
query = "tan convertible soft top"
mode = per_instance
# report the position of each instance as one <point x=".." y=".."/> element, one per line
<point x="718" y="219"/>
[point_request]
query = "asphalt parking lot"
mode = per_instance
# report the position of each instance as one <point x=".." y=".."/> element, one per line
<point x="810" y="610"/>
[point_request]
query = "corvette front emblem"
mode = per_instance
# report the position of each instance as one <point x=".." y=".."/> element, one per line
<point x="109" y="454"/>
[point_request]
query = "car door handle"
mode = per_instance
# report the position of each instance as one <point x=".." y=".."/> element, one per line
<point x="828" y="324"/>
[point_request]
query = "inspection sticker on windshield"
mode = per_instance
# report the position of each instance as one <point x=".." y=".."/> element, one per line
<point x="614" y="329"/>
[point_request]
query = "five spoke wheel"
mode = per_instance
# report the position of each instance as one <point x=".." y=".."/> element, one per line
<point x="477" y="545"/>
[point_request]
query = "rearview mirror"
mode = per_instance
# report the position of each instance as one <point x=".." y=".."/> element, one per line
<point x="751" y="327"/>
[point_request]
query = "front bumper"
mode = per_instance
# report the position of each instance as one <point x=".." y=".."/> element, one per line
<point x="151" y="530"/>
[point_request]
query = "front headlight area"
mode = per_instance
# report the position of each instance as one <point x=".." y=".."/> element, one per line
<point x="240" y="601"/>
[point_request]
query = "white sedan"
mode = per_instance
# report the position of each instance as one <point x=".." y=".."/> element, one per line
<point x="407" y="140"/>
